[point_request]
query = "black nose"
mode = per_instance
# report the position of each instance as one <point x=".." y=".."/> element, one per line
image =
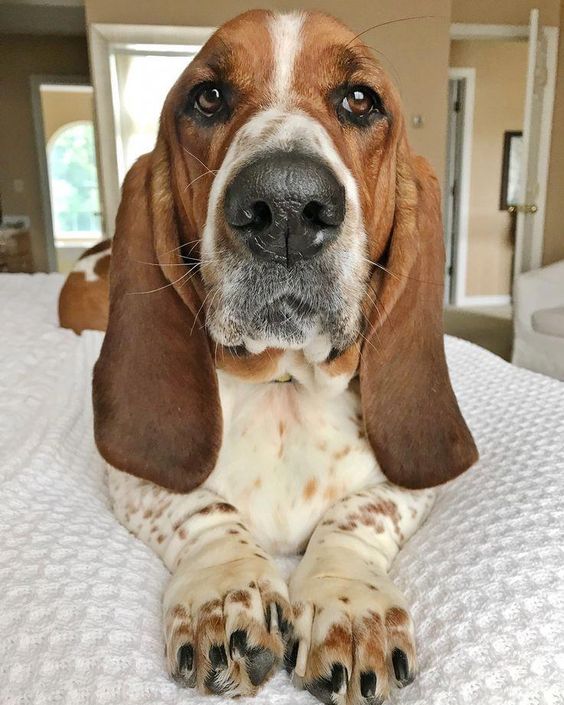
<point x="286" y="206"/>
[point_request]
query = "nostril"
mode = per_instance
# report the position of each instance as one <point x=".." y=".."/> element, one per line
<point x="321" y="215"/>
<point x="312" y="213"/>
<point x="261" y="216"/>
<point x="255" y="216"/>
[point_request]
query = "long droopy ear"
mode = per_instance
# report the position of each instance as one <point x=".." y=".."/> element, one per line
<point x="411" y="415"/>
<point x="156" y="401"/>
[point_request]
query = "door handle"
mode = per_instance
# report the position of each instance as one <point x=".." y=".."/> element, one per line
<point x="528" y="209"/>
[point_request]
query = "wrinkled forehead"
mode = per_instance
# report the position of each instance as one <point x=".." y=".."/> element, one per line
<point x="284" y="57"/>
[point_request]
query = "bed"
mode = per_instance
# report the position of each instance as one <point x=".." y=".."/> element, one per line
<point x="80" y="597"/>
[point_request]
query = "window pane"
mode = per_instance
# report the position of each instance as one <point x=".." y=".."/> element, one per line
<point x="143" y="81"/>
<point x="75" y="200"/>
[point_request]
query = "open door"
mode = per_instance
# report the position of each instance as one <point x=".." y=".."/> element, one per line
<point x="539" y="101"/>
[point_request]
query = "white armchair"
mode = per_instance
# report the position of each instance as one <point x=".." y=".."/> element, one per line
<point x="538" y="300"/>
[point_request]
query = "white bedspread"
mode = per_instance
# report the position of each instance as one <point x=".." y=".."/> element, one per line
<point x="80" y="597"/>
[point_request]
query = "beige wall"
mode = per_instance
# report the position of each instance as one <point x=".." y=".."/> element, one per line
<point x="417" y="49"/>
<point x="21" y="57"/>
<point x="552" y="13"/>
<point x="501" y="69"/>
<point x="61" y="107"/>
<point x="554" y="224"/>
<point x="504" y="11"/>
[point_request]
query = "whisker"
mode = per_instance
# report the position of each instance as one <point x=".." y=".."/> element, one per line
<point x="196" y="158"/>
<point x="396" y="21"/>
<point x="160" y="288"/>
<point x="206" y="173"/>
<point x="400" y="276"/>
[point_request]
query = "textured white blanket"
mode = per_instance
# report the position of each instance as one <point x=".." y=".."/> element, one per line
<point x="80" y="597"/>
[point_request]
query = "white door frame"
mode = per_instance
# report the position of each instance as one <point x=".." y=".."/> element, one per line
<point x="36" y="81"/>
<point x="103" y="39"/>
<point x="461" y="254"/>
<point x="509" y="32"/>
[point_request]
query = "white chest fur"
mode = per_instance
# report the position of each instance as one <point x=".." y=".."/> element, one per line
<point x="288" y="453"/>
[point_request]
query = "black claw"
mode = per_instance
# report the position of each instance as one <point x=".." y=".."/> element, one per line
<point x="325" y="688"/>
<point x="218" y="657"/>
<point x="401" y="667"/>
<point x="291" y="655"/>
<point x="267" y="616"/>
<point x="368" y="684"/>
<point x="283" y="623"/>
<point x="185" y="658"/>
<point x="238" y="643"/>
<point x="338" y="677"/>
<point x="260" y="662"/>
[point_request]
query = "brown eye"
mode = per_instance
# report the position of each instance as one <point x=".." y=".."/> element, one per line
<point x="209" y="100"/>
<point x="359" y="105"/>
<point x="358" y="102"/>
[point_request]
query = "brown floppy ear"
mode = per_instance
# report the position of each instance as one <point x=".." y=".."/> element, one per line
<point x="411" y="415"/>
<point x="156" y="401"/>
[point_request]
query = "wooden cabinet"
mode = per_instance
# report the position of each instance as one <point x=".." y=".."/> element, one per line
<point x="15" y="250"/>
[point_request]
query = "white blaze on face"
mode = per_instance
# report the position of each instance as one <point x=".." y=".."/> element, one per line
<point x="285" y="30"/>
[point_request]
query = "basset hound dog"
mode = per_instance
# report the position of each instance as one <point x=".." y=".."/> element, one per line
<point x="273" y="378"/>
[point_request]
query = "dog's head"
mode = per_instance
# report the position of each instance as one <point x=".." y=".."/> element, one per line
<point x="281" y="209"/>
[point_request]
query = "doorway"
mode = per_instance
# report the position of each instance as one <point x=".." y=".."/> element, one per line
<point x="461" y="86"/>
<point x="501" y="84"/>
<point x="66" y="143"/>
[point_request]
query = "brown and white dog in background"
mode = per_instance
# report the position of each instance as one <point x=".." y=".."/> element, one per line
<point x="280" y="231"/>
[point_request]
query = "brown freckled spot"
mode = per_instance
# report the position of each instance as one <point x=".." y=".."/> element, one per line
<point x="348" y="526"/>
<point x="281" y="428"/>
<point x="160" y="538"/>
<point x="310" y="489"/>
<point x="182" y="534"/>
<point x="345" y="600"/>
<point x="178" y="612"/>
<point x="242" y="597"/>
<point x="340" y="454"/>
<point x="154" y="528"/>
<point x="331" y="493"/>
<point x="327" y="522"/>
<point x="245" y="543"/>
<point x="147" y="513"/>
<point x="241" y="526"/>
<point x="338" y="638"/>
<point x="259" y="556"/>
<point x="257" y="483"/>
<point x="233" y="532"/>
<point x="217" y="507"/>
<point x="298" y="609"/>
<point x="183" y="630"/>
<point x="396" y="617"/>
<point x="374" y="588"/>
<point x="211" y="606"/>
<point x="322" y="446"/>
<point x="361" y="433"/>
<point x="252" y="585"/>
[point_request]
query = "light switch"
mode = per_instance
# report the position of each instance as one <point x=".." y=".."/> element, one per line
<point x="18" y="186"/>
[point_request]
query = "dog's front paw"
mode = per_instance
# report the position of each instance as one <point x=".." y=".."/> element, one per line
<point x="226" y="627"/>
<point x="352" y="640"/>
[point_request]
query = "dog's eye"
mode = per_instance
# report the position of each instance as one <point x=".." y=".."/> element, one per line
<point x="209" y="100"/>
<point x="360" y="105"/>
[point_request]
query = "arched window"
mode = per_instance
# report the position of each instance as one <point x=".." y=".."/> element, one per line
<point x="73" y="181"/>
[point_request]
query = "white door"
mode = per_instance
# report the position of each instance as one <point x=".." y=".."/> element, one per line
<point x="539" y="100"/>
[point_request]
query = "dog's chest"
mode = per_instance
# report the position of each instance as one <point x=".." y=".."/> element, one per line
<point x="289" y="453"/>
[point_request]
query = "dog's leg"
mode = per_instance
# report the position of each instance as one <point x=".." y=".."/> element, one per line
<point x="226" y="608"/>
<point x="353" y="634"/>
